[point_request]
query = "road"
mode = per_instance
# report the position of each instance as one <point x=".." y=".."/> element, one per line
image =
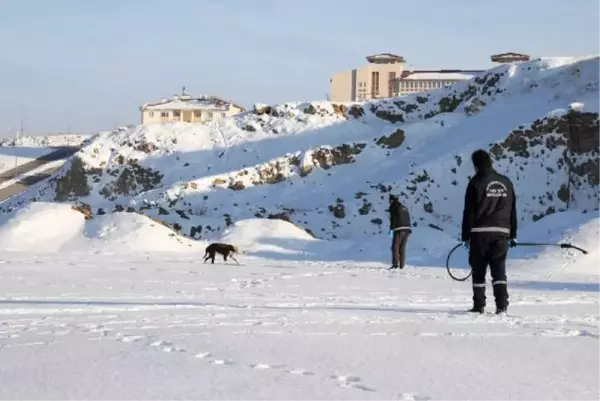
<point x="26" y="182"/>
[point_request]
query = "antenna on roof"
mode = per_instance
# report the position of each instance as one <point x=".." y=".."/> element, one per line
<point x="183" y="90"/>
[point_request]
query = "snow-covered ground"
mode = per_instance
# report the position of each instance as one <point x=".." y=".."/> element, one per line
<point x="45" y="141"/>
<point x="11" y="157"/>
<point x="117" y="307"/>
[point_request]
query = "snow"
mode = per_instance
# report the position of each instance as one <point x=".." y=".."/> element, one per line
<point x="24" y="230"/>
<point x="45" y="141"/>
<point x="91" y="306"/>
<point x="438" y="76"/>
<point x="192" y="104"/>
<point x="89" y="322"/>
<point x="261" y="234"/>
<point x="11" y="157"/>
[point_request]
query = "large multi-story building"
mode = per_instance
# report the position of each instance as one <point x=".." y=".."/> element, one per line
<point x="373" y="81"/>
<point x="385" y="76"/>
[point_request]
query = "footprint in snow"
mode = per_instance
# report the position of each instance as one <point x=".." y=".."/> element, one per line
<point x="266" y="366"/>
<point x="413" y="397"/>
<point x="222" y="362"/>
<point x="351" y="381"/>
<point x="130" y="339"/>
<point x="166" y="346"/>
<point x="300" y="372"/>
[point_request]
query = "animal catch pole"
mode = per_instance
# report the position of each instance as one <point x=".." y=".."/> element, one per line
<point x="560" y="245"/>
<point x="465" y="278"/>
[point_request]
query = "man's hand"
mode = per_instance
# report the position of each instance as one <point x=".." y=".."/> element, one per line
<point x="465" y="244"/>
<point x="391" y="233"/>
<point x="513" y="242"/>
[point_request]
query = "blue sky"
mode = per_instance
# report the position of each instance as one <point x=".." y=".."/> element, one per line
<point x="91" y="64"/>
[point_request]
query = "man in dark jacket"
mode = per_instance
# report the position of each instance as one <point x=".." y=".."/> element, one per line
<point x="400" y="229"/>
<point x="489" y="226"/>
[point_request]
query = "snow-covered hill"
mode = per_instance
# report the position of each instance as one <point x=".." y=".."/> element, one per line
<point x="328" y="168"/>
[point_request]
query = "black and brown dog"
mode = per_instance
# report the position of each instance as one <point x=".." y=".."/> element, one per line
<point x="223" y="249"/>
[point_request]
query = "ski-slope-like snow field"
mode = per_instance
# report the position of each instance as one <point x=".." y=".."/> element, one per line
<point x="171" y="328"/>
<point x="115" y="308"/>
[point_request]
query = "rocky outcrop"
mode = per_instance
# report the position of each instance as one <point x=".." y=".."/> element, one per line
<point x="132" y="180"/>
<point x="575" y="131"/>
<point x="391" y="141"/>
<point x="74" y="183"/>
<point x="326" y="157"/>
<point x="84" y="209"/>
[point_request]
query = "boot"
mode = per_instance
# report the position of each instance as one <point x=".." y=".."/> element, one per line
<point x="477" y="309"/>
<point x="501" y="298"/>
<point x="478" y="299"/>
<point x="393" y="267"/>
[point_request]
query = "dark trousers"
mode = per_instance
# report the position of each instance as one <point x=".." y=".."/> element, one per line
<point x="399" y="248"/>
<point x="489" y="249"/>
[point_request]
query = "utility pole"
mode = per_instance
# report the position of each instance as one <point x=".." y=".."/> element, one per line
<point x="19" y="133"/>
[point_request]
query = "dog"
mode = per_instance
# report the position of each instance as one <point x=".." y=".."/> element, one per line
<point x="223" y="249"/>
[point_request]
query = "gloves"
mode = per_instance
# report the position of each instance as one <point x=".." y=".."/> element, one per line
<point x="513" y="242"/>
<point x="465" y="245"/>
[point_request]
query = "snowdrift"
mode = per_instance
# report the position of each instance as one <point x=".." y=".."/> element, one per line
<point x="132" y="232"/>
<point x="43" y="227"/>
<point x="47" y="227"/>
<point x="279" y="239"/>
<point x="327" y="168"/>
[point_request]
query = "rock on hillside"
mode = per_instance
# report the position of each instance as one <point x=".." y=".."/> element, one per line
<point x="328" y="167"/>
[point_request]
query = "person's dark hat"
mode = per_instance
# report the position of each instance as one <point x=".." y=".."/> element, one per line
<point x="393" y="197"/>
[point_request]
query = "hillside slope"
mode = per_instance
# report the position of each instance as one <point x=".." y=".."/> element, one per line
<point x="328" y="167"/>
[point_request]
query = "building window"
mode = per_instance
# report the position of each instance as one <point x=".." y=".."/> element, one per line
<point x="223" y="115"/>
<point x="375" y="83"/>
<point x="210" y="115"/>
<point x="176" y="113"/>
<point x="391" y="83"/>
<point x="197" y="114"/>
<point x="151" y="114"/>
<point x="164" y="114"/>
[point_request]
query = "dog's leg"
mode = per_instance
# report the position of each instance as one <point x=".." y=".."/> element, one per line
<point x="234" y="259"/>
